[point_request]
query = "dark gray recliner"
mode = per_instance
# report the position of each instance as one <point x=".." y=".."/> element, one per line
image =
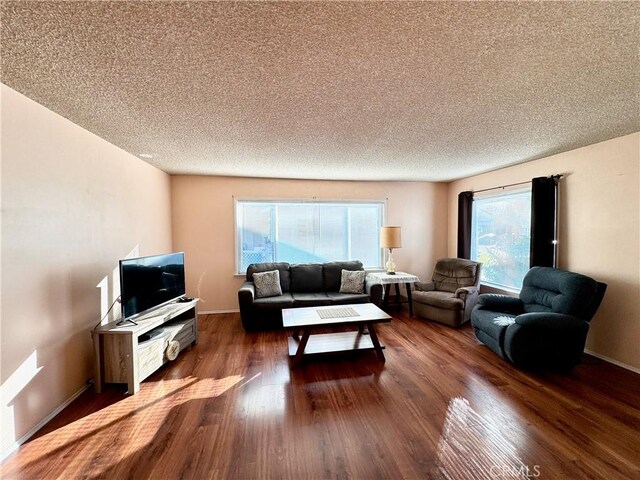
<point x="546" y="327"/>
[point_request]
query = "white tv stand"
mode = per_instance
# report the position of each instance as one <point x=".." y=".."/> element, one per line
<point x="129" y="353"/>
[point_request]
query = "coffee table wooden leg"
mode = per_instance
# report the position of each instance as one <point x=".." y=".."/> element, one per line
<point x="409" y="299"/>
<point x="376" y="343"/>
<point x="356" y="341"/>
<point x="301" y="346"/>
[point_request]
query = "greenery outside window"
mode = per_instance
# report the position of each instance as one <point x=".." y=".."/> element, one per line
<point x="500" y="237"/>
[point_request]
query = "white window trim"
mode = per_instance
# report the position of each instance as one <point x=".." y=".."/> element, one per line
<point x="497" y="286"/>
<point x="237" y="200"/>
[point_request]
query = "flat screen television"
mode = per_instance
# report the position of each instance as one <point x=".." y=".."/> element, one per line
<point x="149" y="282"/>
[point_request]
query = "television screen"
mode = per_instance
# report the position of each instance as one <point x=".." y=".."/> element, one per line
<point x="148" y="282"/>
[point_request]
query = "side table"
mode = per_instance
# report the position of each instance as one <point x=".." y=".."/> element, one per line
<point x="400" y="277"/>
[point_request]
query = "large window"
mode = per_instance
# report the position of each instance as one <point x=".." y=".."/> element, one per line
<point x="500" y="234"/>
<point x="305" y="231"/>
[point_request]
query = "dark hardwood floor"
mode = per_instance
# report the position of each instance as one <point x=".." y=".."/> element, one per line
<point x="443" y="406"/>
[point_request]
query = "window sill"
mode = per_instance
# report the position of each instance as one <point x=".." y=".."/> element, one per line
<point x="488" y="288"/>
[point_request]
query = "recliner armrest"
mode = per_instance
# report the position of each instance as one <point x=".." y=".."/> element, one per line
<point x="545" y="340"/>
<point x="550" y="321"/>
<point x="424" y="286"/>
<point x="500" y="303"/>
<point x="464" y="292"/>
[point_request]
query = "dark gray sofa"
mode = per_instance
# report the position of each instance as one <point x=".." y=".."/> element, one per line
<point x="303" y="285"/>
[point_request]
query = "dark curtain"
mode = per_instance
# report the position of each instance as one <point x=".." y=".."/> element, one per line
<point x="544" y="198"/>
<point x="465" y="205"/>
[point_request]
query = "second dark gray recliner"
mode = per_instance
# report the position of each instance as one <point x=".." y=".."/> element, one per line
<point x="546" y="327"/>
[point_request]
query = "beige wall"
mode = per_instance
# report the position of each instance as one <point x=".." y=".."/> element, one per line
<point x="599" y="231"/>
<point x="203" y="224"/>
<point x="72" y="205"/>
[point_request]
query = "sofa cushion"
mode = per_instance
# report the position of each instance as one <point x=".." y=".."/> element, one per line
<point x="445" y="300"/>
<point x="267" y="284"/>
<point x="306" y="278"/>
<point x="310" y="299"/>
<point x="453" y="273"/>
<point x="352" y="282"/>
<point x="346" y="298"/>
<point x="274" y="303"/>
<point x="283" y="270"/>
<point x="332" y="273"/>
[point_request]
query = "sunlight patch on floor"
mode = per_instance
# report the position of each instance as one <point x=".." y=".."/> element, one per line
<point x="264" y="402"/>
<point x="131" y="415"/>
<point x="471" y="447"/>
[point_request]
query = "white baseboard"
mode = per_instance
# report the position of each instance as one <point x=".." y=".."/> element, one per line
<point x="611" y="360"/>
<point x="213" y="312"/>
<point x="15" y="445"/>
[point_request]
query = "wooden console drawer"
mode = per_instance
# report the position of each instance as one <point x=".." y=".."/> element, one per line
<point x="187" y="334"/>
<point x="151" y="355"/>
<point x="183" y="332"/>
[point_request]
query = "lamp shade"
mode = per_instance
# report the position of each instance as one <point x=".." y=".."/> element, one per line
<point x="390" y="237"/>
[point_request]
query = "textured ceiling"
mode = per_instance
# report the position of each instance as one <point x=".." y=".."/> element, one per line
<point x="338" y="90"/>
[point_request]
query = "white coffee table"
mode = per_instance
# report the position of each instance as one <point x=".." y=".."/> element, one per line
<point x="307" y="319"/>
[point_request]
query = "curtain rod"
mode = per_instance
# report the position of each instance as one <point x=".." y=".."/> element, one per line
<point x="512" y="185"/>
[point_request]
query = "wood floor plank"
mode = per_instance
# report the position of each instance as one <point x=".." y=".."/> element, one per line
<point x="443" y="406"/>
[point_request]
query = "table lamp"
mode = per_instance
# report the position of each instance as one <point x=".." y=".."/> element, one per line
<point x="390" y="238"/>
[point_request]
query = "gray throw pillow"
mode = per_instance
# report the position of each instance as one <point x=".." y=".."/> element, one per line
<point x="352" y="281"/>
<point x="267" y="284"/>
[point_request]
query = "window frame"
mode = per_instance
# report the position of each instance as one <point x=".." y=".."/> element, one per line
<point x="312" y="200"/>
<point x="496" y="287"/>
